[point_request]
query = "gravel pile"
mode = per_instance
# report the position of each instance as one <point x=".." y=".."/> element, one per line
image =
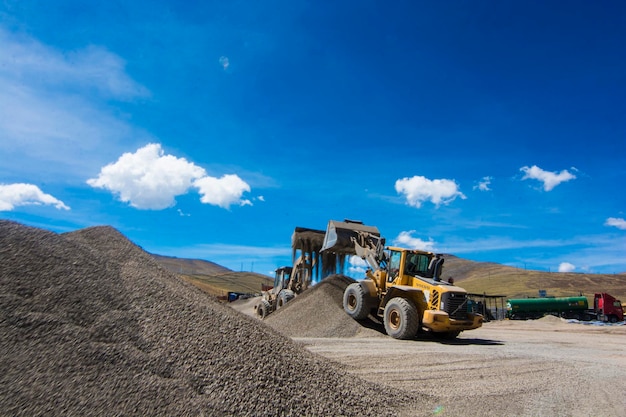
<point x="90" y="324"/>
<point x="318" y="312"/>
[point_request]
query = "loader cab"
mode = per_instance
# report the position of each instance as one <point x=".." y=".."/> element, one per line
<point x="414" y="263"/>
<point x="282" y="277"/>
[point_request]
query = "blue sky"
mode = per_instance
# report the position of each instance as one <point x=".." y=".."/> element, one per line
<point x="494" y="131"/>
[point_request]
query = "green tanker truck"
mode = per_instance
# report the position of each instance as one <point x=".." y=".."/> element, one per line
<point x="606" y="308"/>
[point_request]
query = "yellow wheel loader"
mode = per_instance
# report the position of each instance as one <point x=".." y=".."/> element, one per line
<point x="403" y="287"/>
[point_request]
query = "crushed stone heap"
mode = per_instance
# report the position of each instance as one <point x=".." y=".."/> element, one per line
<point x="318" y="312"/>
<point x="90" y="324"/>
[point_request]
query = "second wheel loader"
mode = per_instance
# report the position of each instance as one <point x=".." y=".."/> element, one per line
<point x="309" y="265"/>
<point x="288" y="282"/>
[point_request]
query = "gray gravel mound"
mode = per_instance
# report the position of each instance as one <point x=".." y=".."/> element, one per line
<point x="90" y="324"/>
<point x="318" y="312"/>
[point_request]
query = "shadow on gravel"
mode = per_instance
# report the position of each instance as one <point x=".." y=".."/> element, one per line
<point x="374" y="324"/>
<point x="463" y="342"/>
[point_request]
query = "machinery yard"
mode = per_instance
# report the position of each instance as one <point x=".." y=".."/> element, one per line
<point x="92" y="325"/>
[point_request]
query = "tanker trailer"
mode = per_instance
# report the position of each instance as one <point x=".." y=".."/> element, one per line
<point x="535" y="308"/>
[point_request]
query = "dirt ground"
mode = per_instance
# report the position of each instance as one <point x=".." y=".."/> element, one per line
<point x="545" y="367"/>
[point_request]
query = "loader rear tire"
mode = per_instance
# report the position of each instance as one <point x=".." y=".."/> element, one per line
<point x="284" y="297"/>
<point x="356" y="302"/>
<point x="401" y="319"/>
<point x="263" y="309"/>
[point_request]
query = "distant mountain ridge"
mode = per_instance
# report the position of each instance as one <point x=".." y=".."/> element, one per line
<point x="190" y="266"/>
<point x="475" y="277"/>
<point x="213" y="278"/>
<point x="496" y="279"/>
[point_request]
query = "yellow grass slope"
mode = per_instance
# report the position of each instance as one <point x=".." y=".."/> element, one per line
<point x="496" y="279"/>
<point x="212" y="278"/>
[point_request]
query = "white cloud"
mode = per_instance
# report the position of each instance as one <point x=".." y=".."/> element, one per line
<point x="483" y="184"/>
<point x="149" y="179"/>
<point x="27" y="61"/>
<point x="53" y="115"/>
<point x="182" y="214"/>
<point x="222" y="192"/>
<point x="566" y="267"/>
<point x="14" y="195"/>
<point x="616" y="222"/>
<point x="357" y="265"/>
<point x="406" y="240"/>
<point x="419" y="189"/>
<point x="549" y="179"/>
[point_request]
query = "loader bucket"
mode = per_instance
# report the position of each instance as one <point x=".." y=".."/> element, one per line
<point x="307" y="240"/>
<point x="340" y="236"/>
<point x="306" y="243"/>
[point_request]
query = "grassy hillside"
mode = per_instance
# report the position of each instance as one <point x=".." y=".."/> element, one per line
<point x="213" y="278"/>
<point x="222" y="284"/>
<point x="190" y="266"/>
<point x="495" y="279"/>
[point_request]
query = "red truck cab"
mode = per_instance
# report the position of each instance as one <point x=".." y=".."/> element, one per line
<point x="608" y="308"/>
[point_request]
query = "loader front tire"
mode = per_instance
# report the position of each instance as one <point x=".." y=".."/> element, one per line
<point x="356" y="301"/>
<point x="284" y="297"/>
<point x="401" y="319"/>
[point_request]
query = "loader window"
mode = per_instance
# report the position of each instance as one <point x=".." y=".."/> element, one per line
<point x="282" y="276"/>
<point x="416" y="264"/>
<point x="394" y="265"/>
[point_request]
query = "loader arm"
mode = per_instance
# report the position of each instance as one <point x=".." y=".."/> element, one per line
<point x="373" y="251"/>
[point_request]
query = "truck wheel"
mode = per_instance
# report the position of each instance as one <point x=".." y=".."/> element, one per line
<point x="263" y="309"/>
<point x="356" y="301"/>
<point x="401" y="319"/>
<point x="284" y="297"/>
<point x="612" y="319"/>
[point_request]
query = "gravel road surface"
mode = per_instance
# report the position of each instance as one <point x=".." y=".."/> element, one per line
<point x="545" y="367"/>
